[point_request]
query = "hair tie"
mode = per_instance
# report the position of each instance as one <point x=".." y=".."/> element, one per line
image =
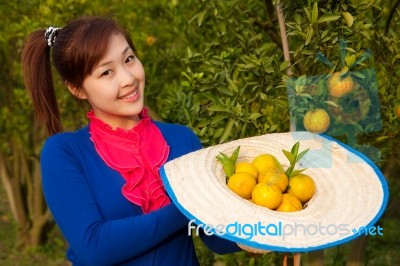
<point x="50" y="35"/>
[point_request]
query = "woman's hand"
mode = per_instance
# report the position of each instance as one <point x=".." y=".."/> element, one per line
<point x="253" y="252"/>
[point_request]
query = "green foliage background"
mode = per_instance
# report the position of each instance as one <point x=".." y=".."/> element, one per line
<point x="218" y="67"/>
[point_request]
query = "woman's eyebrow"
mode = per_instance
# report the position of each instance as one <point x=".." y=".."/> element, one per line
<point x="126" y="50"/>
<point x="109" y="62"/>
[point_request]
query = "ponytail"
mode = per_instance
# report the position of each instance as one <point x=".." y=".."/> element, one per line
<point x="39" y="82"/>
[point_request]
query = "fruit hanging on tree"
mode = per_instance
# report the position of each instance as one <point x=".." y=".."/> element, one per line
<point x="316" y="121"/>
<point x="339" y="85"/>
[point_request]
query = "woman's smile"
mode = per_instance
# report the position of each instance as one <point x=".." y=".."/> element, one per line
<point x="131" y="96"/>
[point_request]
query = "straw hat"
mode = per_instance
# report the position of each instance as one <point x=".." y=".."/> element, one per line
<point x="351" y="194"/>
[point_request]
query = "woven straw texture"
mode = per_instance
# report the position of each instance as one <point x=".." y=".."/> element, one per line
<point x="350" y="193"/>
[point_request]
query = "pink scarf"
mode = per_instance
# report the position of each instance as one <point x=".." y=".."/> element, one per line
<point x="137" y="154"/>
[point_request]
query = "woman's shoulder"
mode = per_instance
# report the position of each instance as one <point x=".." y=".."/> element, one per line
<point x="67" y="140"/>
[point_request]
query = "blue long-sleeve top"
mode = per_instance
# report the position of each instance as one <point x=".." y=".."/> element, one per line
<point x="100" y="225"/>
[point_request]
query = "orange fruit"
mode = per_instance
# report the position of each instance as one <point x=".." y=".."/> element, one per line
<point x="339" y="86"/>
<point x="264" y="161"/>
<point x="397" y="111"/>
<point x="246" y="167"/>
<point x="316" y="121"/>
<point x="267" y="195"/>
<point x="275" y="176"/>
<point x="290" y="203"/>
<point x="242" y="184"/>
<point x="302" y="186"/>
<point x="150" y="40"/>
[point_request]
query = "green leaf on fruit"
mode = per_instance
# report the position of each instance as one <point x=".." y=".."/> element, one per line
<point x="289" y="156"/>
<point x="294" y="156"/>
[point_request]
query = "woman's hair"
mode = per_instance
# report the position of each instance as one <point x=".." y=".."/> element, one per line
<point x="76" y="49"/>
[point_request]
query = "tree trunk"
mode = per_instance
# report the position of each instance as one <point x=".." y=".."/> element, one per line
<point x="21" y="179"/>
<point x="13" y="186"/>
<point x="40" y="213"/>
<point x="357" y="252"/>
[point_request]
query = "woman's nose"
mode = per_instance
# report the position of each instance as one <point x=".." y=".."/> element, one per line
<point x="126" y="77"/>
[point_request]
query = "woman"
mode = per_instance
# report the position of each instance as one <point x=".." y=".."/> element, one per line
<point x="102" y="182"/>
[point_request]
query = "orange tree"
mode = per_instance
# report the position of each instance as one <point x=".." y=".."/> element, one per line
<point x="216" y="66"/>
<point x="235" y="79"/>
<point x="365" y="25"/>
<point x="231" y="84"/>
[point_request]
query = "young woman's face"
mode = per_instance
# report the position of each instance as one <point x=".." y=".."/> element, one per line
<point x="115" y="88"/>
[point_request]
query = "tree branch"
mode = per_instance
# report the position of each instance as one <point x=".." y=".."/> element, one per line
<point x="269" y="10"/>
<point x="391" y="16"/>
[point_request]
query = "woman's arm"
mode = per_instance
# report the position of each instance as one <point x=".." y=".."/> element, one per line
<point x="93" y="239"/>
<point x="219" y="245"/>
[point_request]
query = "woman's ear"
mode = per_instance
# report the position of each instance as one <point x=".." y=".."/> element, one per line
<point x="78" y="93"/>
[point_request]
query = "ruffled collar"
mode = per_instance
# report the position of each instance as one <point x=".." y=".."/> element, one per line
<point x="137" y="154"/>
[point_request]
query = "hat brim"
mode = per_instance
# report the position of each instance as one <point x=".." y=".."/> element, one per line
<point x="351" y="194"/>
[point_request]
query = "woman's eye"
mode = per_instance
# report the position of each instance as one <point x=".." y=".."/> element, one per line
<point x="107" y="72"/>
<point x="130" y="58"/>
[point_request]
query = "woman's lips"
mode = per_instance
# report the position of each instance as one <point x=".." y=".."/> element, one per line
<point x="131" y="97"/>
